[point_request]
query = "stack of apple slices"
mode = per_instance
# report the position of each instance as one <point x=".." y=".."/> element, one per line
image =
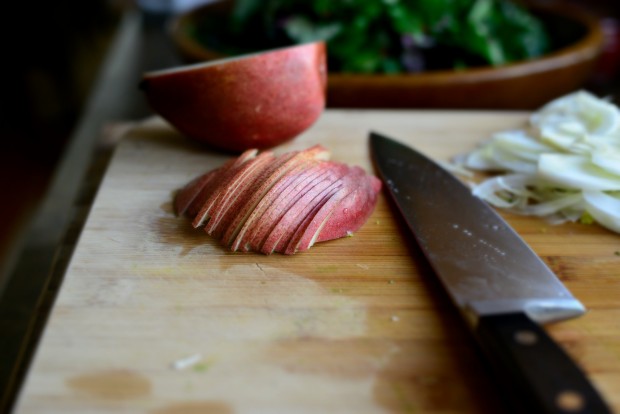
<point x="267" y="203"/>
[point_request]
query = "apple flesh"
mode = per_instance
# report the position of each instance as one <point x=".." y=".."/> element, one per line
<point x="236" y="189"/>
<point x="275" y="182"/>
<point x="286" y="203"/>
<point x="278" y="238"/>
<point x="197" y="191"/>
<point x="266" y="215"/>
<point x="342" y="214"/>
<point x="252" y="101"/>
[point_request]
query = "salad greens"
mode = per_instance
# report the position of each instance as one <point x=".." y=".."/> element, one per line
<point x="385" y="36"/>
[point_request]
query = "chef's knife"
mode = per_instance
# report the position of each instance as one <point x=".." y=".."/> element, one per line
<point x="503" y="289"/>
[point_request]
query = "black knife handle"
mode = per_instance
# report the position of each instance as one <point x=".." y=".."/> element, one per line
<point x="539" y="376"/>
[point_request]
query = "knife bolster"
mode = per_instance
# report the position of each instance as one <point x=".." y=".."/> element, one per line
<point x="543" y="310"/>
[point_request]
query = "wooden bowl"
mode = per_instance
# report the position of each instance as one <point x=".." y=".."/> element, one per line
<point x="520" y="85"/>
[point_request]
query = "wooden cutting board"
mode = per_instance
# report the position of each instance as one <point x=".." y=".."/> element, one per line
<point x="356" y="325"/>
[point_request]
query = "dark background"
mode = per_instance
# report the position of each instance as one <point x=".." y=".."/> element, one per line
<point x="52" y="51"/>
<point x="51" y="55"/>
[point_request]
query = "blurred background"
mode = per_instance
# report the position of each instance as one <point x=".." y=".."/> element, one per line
<point x="53" y="52"/>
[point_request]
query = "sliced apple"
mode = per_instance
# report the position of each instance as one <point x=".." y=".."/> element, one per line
<point x="350" y="190"/>
<point x="237" y="187"/>
<point x="284" y="203"/>
<point x="213" y="189"/>
<point x="203" y="192"/>
<point x="286" y="165"/>
<point x="318" y="214"/>
<point x="188" y="194"/>
<point x="279" y="236"/>
<point x="252" y="101"/>
<point x="243" y="206"/>
<point x="277" y="207"/>
<point x="352" y="212"/>
<point x="250" y="218"/>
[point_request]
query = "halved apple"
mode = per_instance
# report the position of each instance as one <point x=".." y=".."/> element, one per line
<point x="252" y="101"/>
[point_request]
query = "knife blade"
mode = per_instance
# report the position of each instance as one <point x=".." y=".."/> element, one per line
<point x="503" y="289"/>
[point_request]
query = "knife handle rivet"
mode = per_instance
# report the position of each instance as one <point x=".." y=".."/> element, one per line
<point x="570" y="401"/>
<point x="526" y="337"/>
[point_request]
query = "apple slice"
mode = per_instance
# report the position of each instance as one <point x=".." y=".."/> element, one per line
<point x="296" y="213"/>
<point x="199" y="199"/>
<point x="238" y="186"/>
<point x="283" y="165"/>
<point x="252" y="101"/>
<point x="343" y="215"/>
<point x="242" y="207"/>
<point x="282" y="203"/>
<point x="306" y="233"/>
<point x="351" y="213"/>
<point x="262" y="180"/>
<point x="209" y="194"/>
<point x="188" y="194"/>
<point x="275" y="205"/>
<point x="247" y="219"/>
<point x="303" y="216"/>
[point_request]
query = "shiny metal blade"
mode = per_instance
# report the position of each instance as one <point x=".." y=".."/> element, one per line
<point x="483" y="263"/>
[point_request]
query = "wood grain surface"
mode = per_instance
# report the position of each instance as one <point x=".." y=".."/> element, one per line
<point x="356" y="325"/>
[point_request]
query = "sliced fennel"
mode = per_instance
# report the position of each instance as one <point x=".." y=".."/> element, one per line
<point x="579" y="112"/>
<point x="564" y="165"/>
<point x="509" y="151"/>
<point x="576" y="172"/>
<point x="604" y="208"/>
<point x="607" y="159"/>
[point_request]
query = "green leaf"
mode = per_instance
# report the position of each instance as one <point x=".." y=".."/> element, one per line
<point x="243" y="11"/>
<point x="374" y="35"/>
<point x="302" y="30"/>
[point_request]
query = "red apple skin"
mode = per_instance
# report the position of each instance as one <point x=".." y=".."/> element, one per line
<point x="304" y="235"/>
<point x="186" y="196"/>
<point x="284" y="203"/>
<point x="257" y="101"/>
<point x="238" y="187"/>
<point x="280" y="237"/>
<point x="353" y="211"/>
<point x="277" y="177"/>
<point x="205" y="190"/>
<point x="205" y="200"/>
<point x="310" y="200"/>
<point x="278" y="205"/>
